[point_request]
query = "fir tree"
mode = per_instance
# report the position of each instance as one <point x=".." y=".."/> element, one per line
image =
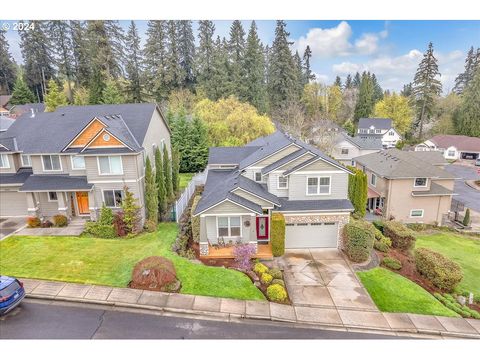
<point x="111" y="93"/>
<point x="338" y="81"/>
<point x="219" y="85"/>
<point x="255" y="71"/>
<point x="307" y="71"/>
<point x="55" y="97"/>
<point x="175" y="171"/>
<point x="131" y="212"/>
<point x="407" y="90"/>
<point x="377" y="89"/>
<point x="174" y="76"/>
<point x="160" y="180"/>
<point x="236" y="54"/>
<point x="426" y="87"/>
<point x="155" y="53"/>
<point x="186" y="48"/>
<point x="134" y="64"/>
<point x="62" y="46"/>
<point x="348" y="82"/>
<point x="205" y="53"/>
<point x="21" y="93"/>
<point x="151" y="193"/>
<point x="80" y="53"/>
<point x="167" y="171"/>
<point x="471" y="62"/>
<point x="96" y="87"/>
<point x="7" y="65"/>
<point x="299" y="75"/>
<point x="357" y="80"/>
<point x="81" y="96"/>
<point x="365" y="102"/>
<point x="467" y="117"/>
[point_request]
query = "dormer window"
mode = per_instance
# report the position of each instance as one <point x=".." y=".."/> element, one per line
<point x="26" y="161"/>
<point x="257" y="176"/>
<point x="420" y="182"/>
<point x="378" y="131"/>
<point x="391" y="133"/>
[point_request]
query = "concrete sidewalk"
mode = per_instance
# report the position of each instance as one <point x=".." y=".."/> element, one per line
<point x="229" y="309"/>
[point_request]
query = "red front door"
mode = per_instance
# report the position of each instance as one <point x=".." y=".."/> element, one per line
<point x="262" y="227"/>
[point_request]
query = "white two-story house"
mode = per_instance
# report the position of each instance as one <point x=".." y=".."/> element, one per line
<point x="377" y="127"/>
<point x="77" y="158"/>
<point x="277" y="173"/>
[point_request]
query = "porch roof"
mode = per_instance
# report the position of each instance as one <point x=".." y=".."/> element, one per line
<point x="56" y="183"/>
<point x="435" y="190"/>
<point x="372" y="194"/>
<point x="16" y="178"/>
<point x="315" y="205"/>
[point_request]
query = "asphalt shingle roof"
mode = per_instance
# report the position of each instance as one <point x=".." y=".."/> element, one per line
<point x="394" y="163"/>
<point x="229" y="155"/>
<point x="283" y="161"/>
<point x="10" y="143"/>
<point x="461" y="142"/>
<point x="365" y="142"/>
<point x="56" y="183"/>
<point x="432" y="157"/>
<point x="435" y="190"/>
<point x="16" y="178"/>
<point x="378" y="123"/>
<point x="316" y="205"/>
<point x="5" y="122"/>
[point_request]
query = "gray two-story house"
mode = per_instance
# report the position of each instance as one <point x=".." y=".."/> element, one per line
<point x="277" y="173"/>
<point x="77" y="158"/>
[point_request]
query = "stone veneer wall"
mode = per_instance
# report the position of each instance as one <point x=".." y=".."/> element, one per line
<point x="341" y="219"/>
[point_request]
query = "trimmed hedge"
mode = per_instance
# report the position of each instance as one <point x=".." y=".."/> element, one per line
<point x="266" y="278"/>
<point x="379" y="224"/>
<point x="277" y="234"/>
<point x="381" y="246"/>
<point x="195" y="220"/>
<point x="450" y="302"/>
<point x="260" y="269"/>
<point x="402" y="237"/>
<point x="440" y="270"/>
<point x="391" y="263"/>
<point x="276" y="273"/>
<point x="60" y="220"/>
<point x="98" y="230"/>
<point x="359" y="237"/>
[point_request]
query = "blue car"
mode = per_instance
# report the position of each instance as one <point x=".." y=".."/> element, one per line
<point x="11" y="293"/>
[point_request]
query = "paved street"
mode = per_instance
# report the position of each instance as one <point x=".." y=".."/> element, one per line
<point x="47" y="320"/>
<point x="9" y="225"/>
<point x="466" y="195"/>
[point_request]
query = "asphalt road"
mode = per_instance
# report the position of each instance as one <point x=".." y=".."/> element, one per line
<point x="49" y="320"/>
<point x="466" y="195"/>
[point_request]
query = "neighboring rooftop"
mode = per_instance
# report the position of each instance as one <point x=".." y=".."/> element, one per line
<point x="394" y="163"/>
<point x="365" y="142"/>
<point x="377" y="123"/>
<point x="19" y="110"/>
<point x="461" y="142"/>
<point x="229" y="155"/>
<point x="5" y="122"/>
<point x="16" y="178"/>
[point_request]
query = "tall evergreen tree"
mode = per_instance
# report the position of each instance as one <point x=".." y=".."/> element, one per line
<point x="357" y="80"/>
<point x="174" y="75"/>
<point x="219" y="85"/>
<point x="80" y="53"/>
<point x="155" y="53"/>
<point x="282" y="79"/>
<point x="186" y="48"/>
<point x="205" y="53"/>
<point x="236" y="53"/>
<point x="7" y="65"/>
<point x="54" y="97"/>
<point x="111" y="93"/>
<point x="38" y="58"/>
<point x="467" y="116"/>
<point x="255" y="71"/>
<point x="407" y="90"/>
<point x="299" y="75"/>
<point x="151" y="193"/>
<point x="167" y="171"/>
<point x="426" y="87"/>
<point x="365" y="102"/>
<point x="471" y="62"/>
<point x="338" y="81"/>
<point x="307" y="71"/>
<point x="377" y="89"/>
<point x="21" y="93"/>
<point x="160" y="180"/>
<point x="348" y="82"/>
<point x="175" y="171"/>
<point x="134" y="64"/>
<point x="60" y="37"/>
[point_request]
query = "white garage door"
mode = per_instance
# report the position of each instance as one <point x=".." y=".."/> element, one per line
<point x="315" y="235"/>
<point x="13" y="203"/>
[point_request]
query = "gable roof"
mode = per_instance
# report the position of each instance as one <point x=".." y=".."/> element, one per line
<point x="8" y="144"/>
<point x="229" y="155"/>
<point x="50" y="132"/>
<point x="432" y="157"/>
<point x="461" y="142"/>
<point x="394" y="163"/>
<point x="364" y="142"/>
<point x="377" y="123"/>
<point x="283" y="161"/>
<point x="5" y="122"/>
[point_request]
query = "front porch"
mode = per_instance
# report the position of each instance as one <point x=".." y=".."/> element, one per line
<point x="375" y="204"/>
<point x="264" y="251"/>
<point x="74" y="228"/>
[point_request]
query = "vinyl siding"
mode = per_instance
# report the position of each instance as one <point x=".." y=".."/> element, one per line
<point x="135" y="188"/>
<point x="271" y="159"/>
<point x="12" y="164"/>
<point x="295" y="162"/>
<point x="227" y="207"/>
<point x="210" y="226"/>
<point x="75" y="172"/>
<point x="157" y="130"/>
<point x="37" y="166"/>
<point x="129" y="163"/>
<point x="272" y="185"/>
<point x="253" y="198"/>
<point x="298" y="186"/>
<point x="319" y="165"/>
<point x="13" y="203"/>
<point x="46" y="208"/>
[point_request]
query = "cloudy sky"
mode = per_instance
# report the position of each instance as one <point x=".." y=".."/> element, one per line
<point x="390" y="49"/>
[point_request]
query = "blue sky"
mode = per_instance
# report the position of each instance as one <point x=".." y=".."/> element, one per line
<point x="391" y="49"/>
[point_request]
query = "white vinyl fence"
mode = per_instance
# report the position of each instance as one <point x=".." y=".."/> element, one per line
<point x="182" y="202"/>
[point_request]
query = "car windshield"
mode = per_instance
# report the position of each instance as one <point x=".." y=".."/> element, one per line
<point x="9" y="290"/>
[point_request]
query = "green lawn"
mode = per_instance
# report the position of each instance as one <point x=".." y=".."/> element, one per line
<point x="110" y="262"/>
<point x="392" y="292"/>
<point x="185" y="179"/>
<point x="461" y="249"/>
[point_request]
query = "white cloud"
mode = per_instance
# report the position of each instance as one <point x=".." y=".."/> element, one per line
<point x="321" y="77"/>
<point x="367" y="44"/>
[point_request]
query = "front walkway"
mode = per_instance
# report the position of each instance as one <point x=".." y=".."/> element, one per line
<point x="232" y="310"/>
<point x="74" y="228"/>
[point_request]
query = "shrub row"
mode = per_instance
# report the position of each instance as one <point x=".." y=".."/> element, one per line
<point x="440" y="270"/>
<point x="96" y="229"/>
<point x="57" y="221"/>
<point x="391" y="263"/>
<point x="402" y="237"/>
<point x="450" y="302"/>
<point x="195" y="220"/>
<point x="359" y="237"/>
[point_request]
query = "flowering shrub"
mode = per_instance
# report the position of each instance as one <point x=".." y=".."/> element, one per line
<point x="243" y="253"/>
<point x="259" y="268"/>
<point x="266" y="278"/>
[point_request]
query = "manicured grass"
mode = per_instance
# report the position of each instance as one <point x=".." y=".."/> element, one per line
<point x="111" y="261"/>
<point x="392" y="292"/>
<point x="185" y="179"/>
<point x="461" y="249"/>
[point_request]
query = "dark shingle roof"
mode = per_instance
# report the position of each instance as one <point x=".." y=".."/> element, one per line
<point x="16" y="178"/>
<point x="432" y="157"/>
<point x="5" y="122"/>
<point x="435" y="190"/>
<point x="378" y="123"/>
<point x="255" y="188"/>
<point x="365" y="142"/>
<point x="56" y="183"/>
<point x="316" y="205"/>
<point x="229" y="155"/>
<point x="10" y="143"/>
<point x="283" y="161"/>
<point x="51" y="132"/>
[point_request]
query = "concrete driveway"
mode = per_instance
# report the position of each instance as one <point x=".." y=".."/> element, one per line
<point x="9" y="225"/>
<point x="323" y="278"/>
<point x="467" y="195"/>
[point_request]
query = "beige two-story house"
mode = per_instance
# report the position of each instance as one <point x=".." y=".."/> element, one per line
<point x="408" y="186"/>
<point x="77" y="158"/>
<point x="277" y="173"/>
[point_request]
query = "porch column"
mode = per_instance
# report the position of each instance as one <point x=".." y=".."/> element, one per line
<point x="32" y="204"/>
<point x="92" y="205"/>
<point x="62" y="204"/>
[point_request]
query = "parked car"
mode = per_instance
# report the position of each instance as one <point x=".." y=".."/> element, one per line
<point x="11" y="293"/>
<point x="477" y="162"/>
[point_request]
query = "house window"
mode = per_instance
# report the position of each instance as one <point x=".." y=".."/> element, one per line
<point x="353" y="163"/>
<point x="282" y="182"/>
<point x="420" y="182"/>
<point x="51" y="163"/>
<point x="378" y="131"/>
<point x="416" y="213"/>
<point x="344" y="151"/>
<point x="229" y="226"/>
<point x="4" y="164"/>
<point x="391" y="133"/>
<point x="52" y="196"/>
<point x="110" y="165"/>
<point x="371" y="131"/>
<point x="112" y="198"/>
<point x="26" y="161"/>
<point x="451" y="153"/>
<point x="373" y="180"/>
<point x="78" y="162"/>
<point x="318" y="185"/>
<point x="258" y="176"/>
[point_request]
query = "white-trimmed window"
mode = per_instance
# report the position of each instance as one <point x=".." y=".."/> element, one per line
<point x="51" y="163"/>
<point x="228" y="226"/>
<point x="319" y="185"/>
<point x="362" y="131"/>
<point x="282" y="182"/>
<point x="378" y="131"/>
<point x="257" y="176"/>
<point x="78" y="162"/>
<point x="391" y="133"/>
<point x="420" y="182"/>
<point x="52" y="196"/>
<point x="344" y="151"/>
<point x="26" y="161"/>
<point x="373" y="180"/>
<point x="416" y="213"/>
<point x="110" y="165"/>
<point x="162" y="144"/>
<point x="113" y="198"/>
<point x="451" y="153"/>
<point x="4" y="163"/>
